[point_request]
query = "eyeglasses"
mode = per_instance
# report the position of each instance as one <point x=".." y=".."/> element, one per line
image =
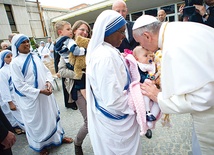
<point x="84" y="30"/>
<point x="121" y="32"/>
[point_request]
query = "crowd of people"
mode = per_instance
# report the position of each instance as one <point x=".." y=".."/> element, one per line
<point x="123" y="90"/>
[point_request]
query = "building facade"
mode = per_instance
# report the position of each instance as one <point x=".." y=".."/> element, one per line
<point x="28" y="17"/>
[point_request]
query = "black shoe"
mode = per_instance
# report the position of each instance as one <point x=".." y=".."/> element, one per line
<point x="72" y="105"/>
<point x="150" y="117"/>
<point x="78" y="150"/>
<point x="149" y="134"/>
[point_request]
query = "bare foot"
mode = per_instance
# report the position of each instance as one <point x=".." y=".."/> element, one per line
<point x="44" y="152"/>
<point x="67" y="140"/>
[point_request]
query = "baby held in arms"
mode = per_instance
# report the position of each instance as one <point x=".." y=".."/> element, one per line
<point x="142" y="68"/>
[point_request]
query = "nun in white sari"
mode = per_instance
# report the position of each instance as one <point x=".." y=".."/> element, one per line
<point x="112" y="125"/>
<point x="32" y="82"/>
<point x="7" y="92"/>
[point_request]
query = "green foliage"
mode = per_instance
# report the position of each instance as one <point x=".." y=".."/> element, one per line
<point x="33" y="42"/>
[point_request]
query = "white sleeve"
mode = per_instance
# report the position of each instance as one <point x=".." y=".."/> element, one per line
<point x="199" y="100"/>
<point x="4" y="88"/>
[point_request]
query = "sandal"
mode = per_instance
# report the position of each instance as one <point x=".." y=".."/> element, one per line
<point x="67" y="140"/>
<point x="44" y="152"/>
<point x="19" y="131"/>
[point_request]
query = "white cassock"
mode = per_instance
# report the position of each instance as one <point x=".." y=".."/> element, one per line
<point x="43" y="51"/>
<point x="107" y="76"/>
<point x="40" y="112"/>
<point x="187" y="78"/>
<point x="6" y="95"/>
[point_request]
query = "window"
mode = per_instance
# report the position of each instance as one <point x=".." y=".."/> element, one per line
<point x="10" y="18"/>
<point x="170" y="9"/>
<point x="136" y="15"/>
<point x="171" y="18"/>
<point x="152" y="12"/>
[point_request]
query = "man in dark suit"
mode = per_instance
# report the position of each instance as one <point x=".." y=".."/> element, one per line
<point x="129" y="42"/>
<point x="204" y="13"/>
<point x="7" y="137"/>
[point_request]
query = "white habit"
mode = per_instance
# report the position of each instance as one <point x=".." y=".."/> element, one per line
<point x="106" y="74"/>
<point x="112" y="124"/>
<point x="6" y="95"/>
<point x="40" y="112"/>
<point x="44" y="52"/>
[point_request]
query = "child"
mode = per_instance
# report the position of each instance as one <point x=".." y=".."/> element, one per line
<point x="146" y="69"/>
<point x="7" y="101"/>
<point x="64" y="45"/>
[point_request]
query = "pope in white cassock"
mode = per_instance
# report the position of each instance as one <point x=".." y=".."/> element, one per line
<point x="187" y="76"/>
<point x="112" y="124"/>
<point x="40" y="112"/>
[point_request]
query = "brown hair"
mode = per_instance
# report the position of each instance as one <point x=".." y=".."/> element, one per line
<point x="77" y="24"/>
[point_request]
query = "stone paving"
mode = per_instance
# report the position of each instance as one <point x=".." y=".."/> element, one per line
<point x="165" y="141"/>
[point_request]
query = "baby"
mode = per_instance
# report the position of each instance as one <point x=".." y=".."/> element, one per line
<point x="146" y="68"/>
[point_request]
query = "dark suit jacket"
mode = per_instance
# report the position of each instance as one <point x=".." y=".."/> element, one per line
<point x="196" y="17"/>
<point x="131" y="44"/>
<point x="5" y="126"/>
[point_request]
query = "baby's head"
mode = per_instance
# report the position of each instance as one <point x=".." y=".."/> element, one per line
<point x="63" y="28"/>
<point x="142" y="55"/>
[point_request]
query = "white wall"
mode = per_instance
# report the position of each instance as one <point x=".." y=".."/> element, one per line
<point x="48" y="14"/>
<point x="34" y="19"/>
<point x="5" y="29"/>
<point x="22" y="20"/>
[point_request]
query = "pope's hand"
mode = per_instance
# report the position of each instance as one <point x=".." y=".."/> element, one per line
<point x="149" y="89"/>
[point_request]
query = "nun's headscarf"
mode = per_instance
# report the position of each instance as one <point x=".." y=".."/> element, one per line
<point x="3" y="54"/>
<point x="108" y="22"/>
<point x="16" y="42"/>
<point x="42" y="42"/>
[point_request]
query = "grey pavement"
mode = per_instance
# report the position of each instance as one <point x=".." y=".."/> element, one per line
<point x="165" y="141"/>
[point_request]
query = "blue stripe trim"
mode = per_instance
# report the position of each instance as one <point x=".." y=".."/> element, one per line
<point x="17" y="92"/>
<point x="26" y="65"/>
<point x="25" y="68"/>
<point x="10" y="83"/>
<point x="35" y="73"/>
<point x="52" y="133"/>
<point x="20" y="40"/>
<point x="48" y="145"/>
<point x="20" y="94"/>
<point x="2" y="58"/>
<point x="114" y="26"/>
<point x="109" y="114"/>
<point x="128" y="81"/>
